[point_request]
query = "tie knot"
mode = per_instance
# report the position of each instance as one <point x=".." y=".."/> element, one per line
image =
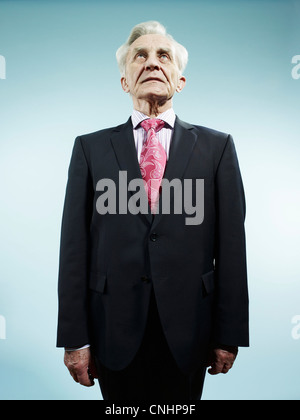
<point x="152" y="123"/>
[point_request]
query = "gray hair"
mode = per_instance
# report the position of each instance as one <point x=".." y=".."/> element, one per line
<point x="145" y="28"/>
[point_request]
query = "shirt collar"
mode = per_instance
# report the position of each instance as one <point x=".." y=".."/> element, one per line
<point x="168" y="117"/>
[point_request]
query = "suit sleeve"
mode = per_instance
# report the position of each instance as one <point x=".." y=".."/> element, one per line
<point x="74" y="253"/>
<point x="231" y="316"/>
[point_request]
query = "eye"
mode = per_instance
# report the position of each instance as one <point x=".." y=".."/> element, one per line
<point x="140" y="56"/>
<point x="164" y="57"/>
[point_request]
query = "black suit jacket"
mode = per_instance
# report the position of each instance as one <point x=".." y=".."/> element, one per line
<point x="109" y="263"/>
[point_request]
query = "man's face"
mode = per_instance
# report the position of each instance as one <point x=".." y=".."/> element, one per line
<point x="151" y="69"/>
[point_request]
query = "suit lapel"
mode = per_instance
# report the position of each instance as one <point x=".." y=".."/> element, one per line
<point x="123" y="144"/>
<point x="182" y="145"/>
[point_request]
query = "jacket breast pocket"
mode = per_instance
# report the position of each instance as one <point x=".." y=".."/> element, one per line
<point x="97" y="282"/>
<point x="208" y="282"/>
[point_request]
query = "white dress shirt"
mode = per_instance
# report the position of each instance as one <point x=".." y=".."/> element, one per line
<point x="164" y="137"/>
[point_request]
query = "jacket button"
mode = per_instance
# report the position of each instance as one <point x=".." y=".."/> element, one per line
<point x="153" y="237"/>
<point x="145" y="279"/>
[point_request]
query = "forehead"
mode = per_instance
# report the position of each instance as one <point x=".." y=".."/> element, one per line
<point x="152" y="42"/>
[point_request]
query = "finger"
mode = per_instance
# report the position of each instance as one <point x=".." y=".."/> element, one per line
<point x="211" y="371"/>
<point x="216" y="368"/>
<point x="74" y="376"/>
<point x="227" y="367"/>
<point x="84" y="378"/>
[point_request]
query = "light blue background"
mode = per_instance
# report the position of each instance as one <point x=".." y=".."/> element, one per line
<point x="62" y="80"/>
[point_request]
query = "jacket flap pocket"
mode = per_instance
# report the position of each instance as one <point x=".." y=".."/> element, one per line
<point x="208" y="280"/>
<point x="97" y="282"/>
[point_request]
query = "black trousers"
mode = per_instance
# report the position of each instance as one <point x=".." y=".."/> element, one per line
<point x="153" y="374"/>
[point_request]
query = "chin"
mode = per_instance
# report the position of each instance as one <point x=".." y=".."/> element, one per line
<point x="156" y="95"/>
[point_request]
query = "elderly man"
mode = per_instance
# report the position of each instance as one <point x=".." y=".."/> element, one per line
<point x="149" y="298"/>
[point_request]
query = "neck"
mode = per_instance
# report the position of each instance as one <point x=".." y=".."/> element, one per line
<point x="152" y="108"/>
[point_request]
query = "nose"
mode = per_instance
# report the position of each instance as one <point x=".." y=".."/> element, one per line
<point x="152" y="63"/>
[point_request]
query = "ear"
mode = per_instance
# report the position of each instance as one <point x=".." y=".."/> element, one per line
<point x="124" y="84"/>
<point x="181" y="84"/>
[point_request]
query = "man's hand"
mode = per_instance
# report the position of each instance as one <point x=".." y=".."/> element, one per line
<point x="81" y="366"/>
<point x="222" y="360"/>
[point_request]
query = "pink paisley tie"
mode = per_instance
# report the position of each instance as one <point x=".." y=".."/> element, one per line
<point x="152" y="161"/>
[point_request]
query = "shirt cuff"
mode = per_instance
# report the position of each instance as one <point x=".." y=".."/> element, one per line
<point x="78" y="348"/>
